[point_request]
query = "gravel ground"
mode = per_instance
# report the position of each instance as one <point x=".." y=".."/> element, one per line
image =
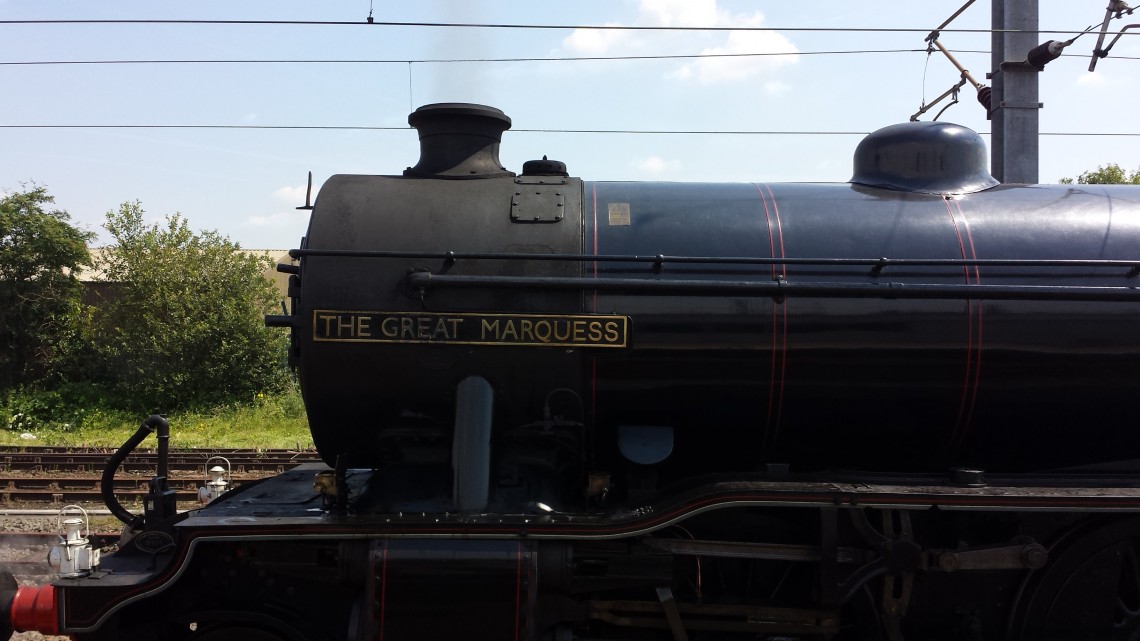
<point x="15" y="549"/>
<point x="28" y="523"/>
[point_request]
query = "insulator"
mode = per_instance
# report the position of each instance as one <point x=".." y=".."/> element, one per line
<point x="985" y="95"/>
<point x="1044" y="53"/>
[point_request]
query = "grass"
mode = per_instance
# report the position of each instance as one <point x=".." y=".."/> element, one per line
<point x="274" y="421"/>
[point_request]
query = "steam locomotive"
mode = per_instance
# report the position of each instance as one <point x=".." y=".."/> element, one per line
<point x="555" y="409"/>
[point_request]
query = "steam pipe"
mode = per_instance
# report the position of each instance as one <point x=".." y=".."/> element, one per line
<point x="107" y="483"/>
<point x="660" y="259"/>
<point x="163" y="436"/>
<point x="471" y="445"/>
<point x="665" y="287"/>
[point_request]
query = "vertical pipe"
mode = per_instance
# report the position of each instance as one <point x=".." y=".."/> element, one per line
<point x="471" y="444"/>
<point x="162" y="433"/>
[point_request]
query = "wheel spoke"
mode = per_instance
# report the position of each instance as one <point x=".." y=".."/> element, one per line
<point x="1128" y="595"/>
<point x="1090" y="587"/>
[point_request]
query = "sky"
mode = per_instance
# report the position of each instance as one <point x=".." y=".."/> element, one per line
<point x="246" y="183"/>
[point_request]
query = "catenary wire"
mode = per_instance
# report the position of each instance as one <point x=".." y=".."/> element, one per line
<point x="480" y="25"/>
<point x="663" y="132"/>
<point x="502" y="60"/>
<point x="482" y="60"/>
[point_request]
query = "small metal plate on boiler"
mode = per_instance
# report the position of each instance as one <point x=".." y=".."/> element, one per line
<point x="533" y="203"/>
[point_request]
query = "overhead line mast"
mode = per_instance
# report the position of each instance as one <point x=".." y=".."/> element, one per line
<point x="1014" y="109"/>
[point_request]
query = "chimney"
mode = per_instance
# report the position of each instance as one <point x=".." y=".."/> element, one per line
<point x="459" y="141"/>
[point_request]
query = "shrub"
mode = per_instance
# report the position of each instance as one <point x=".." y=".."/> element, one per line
<point x="185" y="328"/>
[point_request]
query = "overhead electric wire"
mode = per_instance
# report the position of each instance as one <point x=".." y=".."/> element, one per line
<point x="480" y="25"/>
<point x="505" y="60"/>
<point x="679" y="56"/>
<point x="664" y="132"/>
<point x="334" y="61"/>
<point x="402" y="128"/>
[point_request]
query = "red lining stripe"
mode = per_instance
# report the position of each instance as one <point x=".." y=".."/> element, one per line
<point x="977" y="318"/>
<point x="783" y="307"/>
<point x="974" y="327"/>
<point x="383" y="586"/>
<point x="779" y="321"/>
<point x="969" y="326"/>
<point x="594" y="359"/>
<point x="518" y="588"/>
<point x="779" y="225"/>
<point x="594" y="189"/>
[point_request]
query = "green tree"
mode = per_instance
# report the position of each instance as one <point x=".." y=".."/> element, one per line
<point x="40" y="307"/>
<point x="185" y="326"/>
<point x="1110" y="174"/>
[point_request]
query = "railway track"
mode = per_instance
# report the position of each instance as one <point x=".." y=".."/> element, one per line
<point x="48" y="459"/>
<point x="51" y="488"/>
<point x="57" y="476"/>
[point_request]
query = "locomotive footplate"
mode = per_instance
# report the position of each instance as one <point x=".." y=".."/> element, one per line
<point x="641" y="567"/>
<point x="289" y="502"/>
<point x="504" y="558"/>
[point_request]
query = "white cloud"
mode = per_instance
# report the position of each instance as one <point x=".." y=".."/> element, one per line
<point x="727" y="62"/>
<point x="250" y="117"/>
<point x="776" y="88"/>
<point x="291" y="195"/>
<point x="272" y="220"/>
<point x="683" y="13"/>
<point x="657" y="164"/>
<point x="1092" y="79"/>
<point x="595" y="42"/>
<point x="731" y="67"/>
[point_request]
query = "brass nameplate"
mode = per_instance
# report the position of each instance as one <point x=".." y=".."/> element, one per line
<point x="538" y="330"/>
<point x="619" y="214"/>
